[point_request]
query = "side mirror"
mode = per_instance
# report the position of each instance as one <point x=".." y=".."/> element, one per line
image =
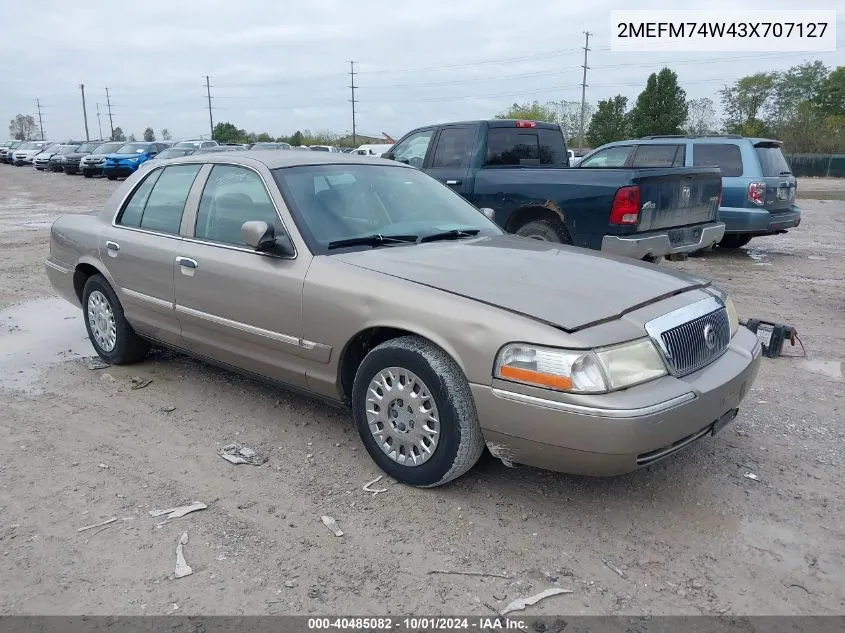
<point x="388" y="156"/>
<point x="262" y="237"/>
<point x="489" y="213"/>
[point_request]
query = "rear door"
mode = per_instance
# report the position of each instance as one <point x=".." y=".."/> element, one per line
<point x="780" y="183"/>
<point x="450" y="161"/>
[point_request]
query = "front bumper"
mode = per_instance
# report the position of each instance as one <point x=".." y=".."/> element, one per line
<point x="660" y="243"/>
<point x="119" y="170"/>
<point x="759" y="221"/>
<point x="598" y="436"/>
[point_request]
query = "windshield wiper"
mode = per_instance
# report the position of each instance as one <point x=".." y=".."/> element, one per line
<point x="454" y="234"/>
<point x="373" y="240"/>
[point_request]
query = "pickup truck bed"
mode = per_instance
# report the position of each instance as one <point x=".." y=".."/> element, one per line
<point x="520" y="170"/>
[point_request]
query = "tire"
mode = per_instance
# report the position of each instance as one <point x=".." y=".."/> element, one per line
<point x="735" y="240"/>
<point x="111" y="177"/>
<point x="546" y="230"/>
<point x="127" y="347"/>
<point x="87" y="174"/>
<point x="458" y="443"/>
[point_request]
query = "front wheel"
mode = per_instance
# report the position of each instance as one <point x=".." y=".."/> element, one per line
<point x="110" y="333"/>
<point x="415" y="412"/>
<point x="87" y="174"/>
<point x="734" y="240"/>
<point x="111" y="176"/>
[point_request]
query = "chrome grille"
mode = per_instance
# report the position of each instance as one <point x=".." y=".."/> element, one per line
<point x="690" y="346"/>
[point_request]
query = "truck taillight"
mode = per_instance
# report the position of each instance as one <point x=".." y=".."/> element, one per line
<point x="626" y="206"/>
<point x="526" y="124"/>
<point x="757" y="193"/>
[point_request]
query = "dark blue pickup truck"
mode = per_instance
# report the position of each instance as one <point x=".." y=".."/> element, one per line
<point x="520" y="170"/>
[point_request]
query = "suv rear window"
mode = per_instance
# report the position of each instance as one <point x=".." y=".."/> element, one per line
<point x="726" y="156"/>
<point x="525" y="146"/>
<point x="772" y="161"/>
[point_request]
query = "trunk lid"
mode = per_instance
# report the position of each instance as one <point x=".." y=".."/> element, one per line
<point x="780" y="183"/>
<point x="565" y="286"/>
<point x="678" y="197"/>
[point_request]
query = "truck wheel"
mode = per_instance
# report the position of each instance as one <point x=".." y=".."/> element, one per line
<point x="547" y="230"/>
<point x="735" y="240"/>
<point x="110" y="333"/>
<point x="415" y="412"/>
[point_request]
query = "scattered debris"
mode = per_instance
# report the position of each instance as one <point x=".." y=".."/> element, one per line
<point x="175" y="513"/>
<point x="520" y="603"/>
<point x="96" y="525"/>
<point x="238" y="454"/>
<point x="182" y="567"/>
<point x="797" y="586"/>
<point x="289" y="584"/>
<point x="469" y="573"/>
<point x="330" y="523"/>
<point x="614" y="568"/>
<point x="501" y="452"/>
<point x="247" y="505"/>
<point x="106" y="377"/>
<point x="103" y="466"/>
<point x="751" y="476"/>
<point x="94" y="363"/>
<point x="375" y="491"/>
<point x="140" y="383"/>
<point x="168" y="409"/>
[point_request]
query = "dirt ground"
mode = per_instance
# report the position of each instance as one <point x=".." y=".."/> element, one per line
<point x="689" y="535"/>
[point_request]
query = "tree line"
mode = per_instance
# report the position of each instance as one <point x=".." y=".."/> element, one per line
<point x="804" y="107"/>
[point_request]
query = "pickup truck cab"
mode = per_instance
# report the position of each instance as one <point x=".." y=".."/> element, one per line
<point x="520" y="171"/>
<point x="758" y="188"/>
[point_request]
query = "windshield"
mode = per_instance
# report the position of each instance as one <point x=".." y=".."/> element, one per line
<point x="88" y="147"/>
<point x="175" y="152"/>
<point x="26" y="146"/>
<point x="67" y="149"/>
<point x="271" y="146"/>
<point x="134" y="148"/>
<point x="340" y="202"/>
<point x="50" y="147"/>
<point x="320" y="148"/>
<point x="108" y="148"/>
<point x="772" y="161"/>
<point x="188" y="144"/>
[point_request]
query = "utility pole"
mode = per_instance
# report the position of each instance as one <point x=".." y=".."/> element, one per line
<point x="111" y="121"/>
<point x="99" y="123"/>
<point x="584" y="90"/>
<point x="40" y="120"/>
<point x="84" y="111"/>
<point x="352" y="85"/>
<point x="208" y="93"/>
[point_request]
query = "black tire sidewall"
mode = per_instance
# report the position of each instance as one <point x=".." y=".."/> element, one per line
<point x="549" y="231"/>
<point x="125" y="336"/>
<point x="432" y="471"/>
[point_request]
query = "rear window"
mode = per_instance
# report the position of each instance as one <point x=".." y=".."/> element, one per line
<point x="772" y="161"/>
<point x="725" y="156"/>
<point x="659" y="156"/>
<point x="525" y="146"/>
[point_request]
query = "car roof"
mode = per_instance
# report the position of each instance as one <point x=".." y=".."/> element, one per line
<point x="274" y="160"/>
<point x="669" y="140"/>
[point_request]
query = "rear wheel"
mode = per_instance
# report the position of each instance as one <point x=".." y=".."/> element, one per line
<point x="546" y="230"/>
<point x="87" y="174"/>
<point x="110" y="333"/>
<point x="735" y="240"/>
<point x="111" y="177"/>
<point x="415" y="412"/>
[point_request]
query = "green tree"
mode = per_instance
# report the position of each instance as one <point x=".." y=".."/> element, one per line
<point x="229" y="133"/>
<point x="22" y="127"/>
<point x="609" y="123"/>
<point x="792" y="88"/>
<point x="149" y="135"/>
<point x="118" y="135"/>
<point x="296" y="139"/>
<point x="262" y="137"/>
<point x="701" y="117"/>
<point x="131" y="138"/>
<point x="165" y="134"/>
<point x="661" y="108"/>
<point x="830" y="97"/>
<point x="530" y="112"/>
<point x="745" y="103"/>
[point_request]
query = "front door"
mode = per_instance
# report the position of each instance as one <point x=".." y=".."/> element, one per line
<point x="450" y="161"/>
<point x="235" y="305"/>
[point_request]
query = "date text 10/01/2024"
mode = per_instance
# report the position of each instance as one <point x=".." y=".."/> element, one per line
<point x="417" y="623"/>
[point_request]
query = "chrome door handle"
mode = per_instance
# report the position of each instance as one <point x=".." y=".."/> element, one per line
<point x="453" y="182"/>
<point x="112" y="246"/>
<point x="186" y="262"/>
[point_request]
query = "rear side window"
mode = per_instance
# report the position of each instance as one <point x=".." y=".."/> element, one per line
<point x="452" y="148"/>
<point x="611" y="157"/>
<point x="157" y="204"/>
<point x="772" y="161"/>
<point x="134" y="209"/>
<point x="726" y="157"/>
<point x="658" y="156"/>
<point x="525" y="146"/>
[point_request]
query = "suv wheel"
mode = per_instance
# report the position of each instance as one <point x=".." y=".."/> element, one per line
<point x="735" y="240"/>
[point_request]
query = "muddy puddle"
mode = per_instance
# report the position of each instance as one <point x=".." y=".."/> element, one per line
<point x="35" y="335"/>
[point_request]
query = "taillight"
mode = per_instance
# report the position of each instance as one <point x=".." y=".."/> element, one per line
<point x="757" y="193"/>
<point x="626" y="206"/>
<point x="526" y="124"/>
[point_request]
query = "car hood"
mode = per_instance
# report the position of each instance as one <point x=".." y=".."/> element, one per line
<point x="124" y="156"/>
<point x="567" y="287"/>
<point x="78" y="154"/>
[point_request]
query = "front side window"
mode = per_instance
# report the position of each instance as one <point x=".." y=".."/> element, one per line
<point x="232" y="195"/>
<point x="610" y="157"/>
<point x="413" y="149"/>
<point x="158" y="202"/>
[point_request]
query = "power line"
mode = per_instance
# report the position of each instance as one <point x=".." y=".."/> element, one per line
<point x="40" y="120"/>
<point x="352" y="85"/>
<point x="84" y="111"/>
<point x="208" y="94"/>
<point x="584" y="88"/>
<point x="111" y="121"/>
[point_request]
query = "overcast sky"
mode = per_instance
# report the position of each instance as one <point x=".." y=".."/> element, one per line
<point x="283" y="65"/>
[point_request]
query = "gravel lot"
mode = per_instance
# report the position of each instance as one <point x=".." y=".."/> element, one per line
<point x="687" y="536"/>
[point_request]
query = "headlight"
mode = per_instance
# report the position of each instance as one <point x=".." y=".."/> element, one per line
<point x="580" y="371"/>
<point x="733" y="319"/>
